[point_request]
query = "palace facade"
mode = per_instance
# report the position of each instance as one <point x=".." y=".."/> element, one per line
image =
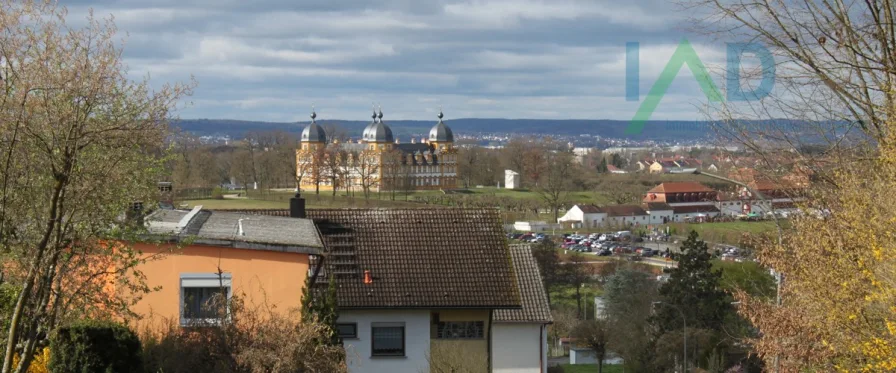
<point x="378" y="161"/>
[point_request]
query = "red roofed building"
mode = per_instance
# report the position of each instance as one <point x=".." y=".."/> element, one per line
<point x="677" y="193"/>
<point x="688" y="199"/>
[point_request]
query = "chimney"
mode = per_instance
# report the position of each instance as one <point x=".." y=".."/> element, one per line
<point x="368" y="279"/>
<point x="297" y="206"/>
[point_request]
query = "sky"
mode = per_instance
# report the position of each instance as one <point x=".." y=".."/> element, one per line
<point x="271" y="60"/>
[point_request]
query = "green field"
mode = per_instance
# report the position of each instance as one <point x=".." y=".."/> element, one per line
<point x="727" y="232"/>
<point x="255" y="200"/>
<point x="590" y="368"/>
<point x="566" y="297"/>
<point x="581" y="196"/>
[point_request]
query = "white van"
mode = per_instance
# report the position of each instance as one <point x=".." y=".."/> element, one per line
<point x="621" y="234"/>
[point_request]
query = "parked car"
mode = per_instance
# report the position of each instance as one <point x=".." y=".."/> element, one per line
<point x="526" y="237"/>
<point x="647" y="252"/>
<point x="604" y="252"/>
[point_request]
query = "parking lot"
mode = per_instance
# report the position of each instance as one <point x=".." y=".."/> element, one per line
<point x="620" y="243"/>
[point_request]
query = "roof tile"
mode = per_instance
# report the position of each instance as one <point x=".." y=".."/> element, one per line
<point x="535" y="300"/>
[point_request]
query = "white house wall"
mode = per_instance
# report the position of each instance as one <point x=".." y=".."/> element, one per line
<point x="416" y="332"/>
<point x="656" y="217"/>
<point x="594" y="220"/>
<point x="681" y="204"/>
<point x="621" y="221"/>
<point x="519" y="348"/>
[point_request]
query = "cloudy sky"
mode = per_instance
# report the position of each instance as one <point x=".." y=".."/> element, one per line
<point x="272" y="59"/>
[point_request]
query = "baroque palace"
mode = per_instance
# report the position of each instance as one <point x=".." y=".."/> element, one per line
<point x="378" y="161"/>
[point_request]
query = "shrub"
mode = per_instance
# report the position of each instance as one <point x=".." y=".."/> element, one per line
<point x="218" y="193"/>
<point x="39" y="364"/>
<point x="252" y="339"/>
<point x="94" y="346"/>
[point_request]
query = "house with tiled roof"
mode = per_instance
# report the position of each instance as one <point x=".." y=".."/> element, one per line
<point x="417" y="288"/>
<point x="591" y="216"/>
<point x="766" y="193"/>
<point x="427" y="290"/>
<point x="195" y="255"/>
<point x="688" y="199"/>
<point x="519" y="337"/>
<point x="625" y="215"/>
<point x="582" y="216"/>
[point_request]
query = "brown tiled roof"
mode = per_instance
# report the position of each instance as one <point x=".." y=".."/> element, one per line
<point x="535" y="300"/>
<point x="418" y="258"/>
<point x="589" y="209"/>
<point x="656" y="206"/>
<point x="623" y="210"/>
<point x="693" y="209"/>
<point x="680" y="187"/>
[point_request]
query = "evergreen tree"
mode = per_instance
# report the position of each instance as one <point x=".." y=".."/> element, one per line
<point x="617" y="160"/>
<point x="602" y="167"/>
<point x="694" y="290"/>
<point x="320" y="306"/>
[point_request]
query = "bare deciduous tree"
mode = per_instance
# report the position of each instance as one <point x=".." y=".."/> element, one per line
<point x="80" y="143"/>
<point x="366" y="169"/>
<point x="557" y="180"/>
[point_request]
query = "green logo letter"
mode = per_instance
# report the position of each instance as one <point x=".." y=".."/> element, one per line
<point x="684" y="54"/>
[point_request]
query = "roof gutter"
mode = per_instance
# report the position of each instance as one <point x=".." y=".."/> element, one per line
<point x="244" y="245"/>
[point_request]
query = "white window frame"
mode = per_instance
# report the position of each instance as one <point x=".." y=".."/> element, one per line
<point x="203" y="280"/>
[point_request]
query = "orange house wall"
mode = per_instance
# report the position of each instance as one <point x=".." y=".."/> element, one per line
<point x="262" y="278"/>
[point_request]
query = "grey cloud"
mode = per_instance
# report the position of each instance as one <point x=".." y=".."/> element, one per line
<point x="269" y="60"/>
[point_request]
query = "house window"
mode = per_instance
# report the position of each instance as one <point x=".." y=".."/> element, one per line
<point x="461" y="330"/>
<point x="201" y="297"/>
<point x="347" y="330"/>
<point x="387" y="339"/>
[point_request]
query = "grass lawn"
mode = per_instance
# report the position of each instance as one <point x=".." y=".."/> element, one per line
<point x="280" y="200"/>
<point x="728" y="232"/>
<point x="581" y="196"/>
<point x="590" y="368"/>
<point x="244" y="204"/>
<point x="566" y="296"/>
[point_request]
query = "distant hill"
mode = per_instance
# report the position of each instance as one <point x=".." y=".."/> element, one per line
<point x="606" y="128"/>
<point x="654" y="130"/>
